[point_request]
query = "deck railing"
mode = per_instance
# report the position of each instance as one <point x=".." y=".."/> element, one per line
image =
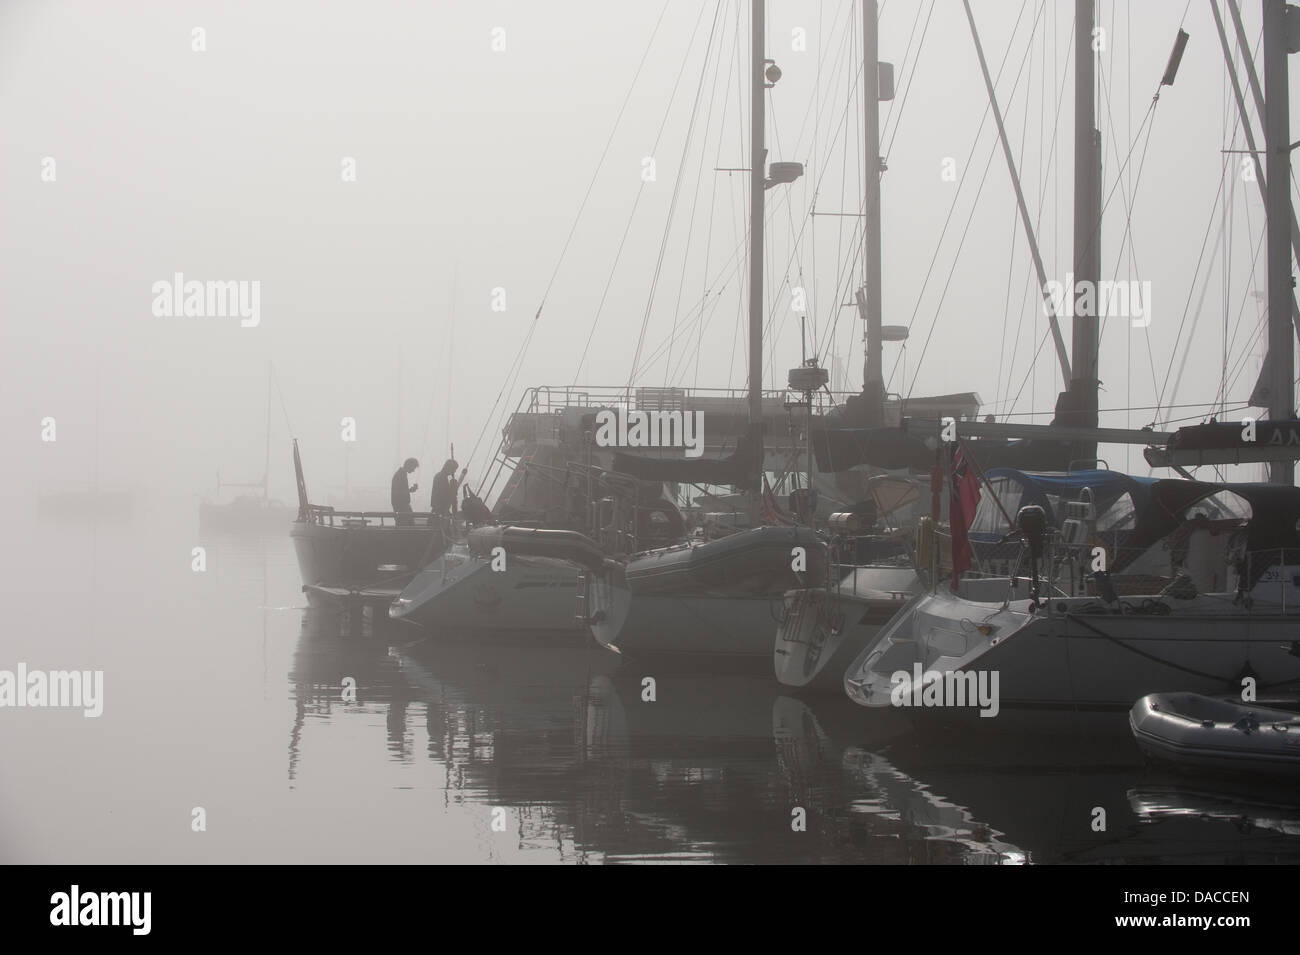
<point x="328" y="516"/>
<point x="550" y="399"/>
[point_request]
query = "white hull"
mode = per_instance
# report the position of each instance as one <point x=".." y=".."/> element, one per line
<point x="462" y="593"/>
<point x="718" y="598"/>
<point x="823" y="631"/>
<point x="1073" y="652"/>
<point x="726" y="627"/>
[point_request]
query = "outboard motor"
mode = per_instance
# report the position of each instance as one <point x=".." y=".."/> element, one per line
<point x="1031" y="522"/>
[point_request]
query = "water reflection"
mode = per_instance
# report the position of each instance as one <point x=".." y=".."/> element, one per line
<point x="596" y="759"/>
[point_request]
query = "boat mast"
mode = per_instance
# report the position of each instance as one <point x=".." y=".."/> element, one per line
<point x="764" y="74"/>
<point x="1084" y="380"/>
<point x="1277" y="135"/>
<point x="757" y="177"/>
<point x="873" y="384"/>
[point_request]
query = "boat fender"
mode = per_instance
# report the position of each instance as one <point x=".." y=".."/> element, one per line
<point x="924" y="543"/>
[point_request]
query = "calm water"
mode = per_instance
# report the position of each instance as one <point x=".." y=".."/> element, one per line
<point x="223" y="692"/>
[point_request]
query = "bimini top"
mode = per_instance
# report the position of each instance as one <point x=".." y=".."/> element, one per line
<point x="1115" y="496"/>
<point x="1272" y="525"/>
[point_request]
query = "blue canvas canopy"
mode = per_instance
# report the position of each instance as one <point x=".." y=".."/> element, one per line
<point x="1051" y="491"/>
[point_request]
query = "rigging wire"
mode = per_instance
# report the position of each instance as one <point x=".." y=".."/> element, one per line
<point x="512" y="373"/>
<point x="677" y="184"/>
<point x="713" y="204"/>
<point x="1043" y="166"/>
<point x="841" y="292"/>
<point x="957" y="193"/>
<point x="737" y="260"/>
<point x="1015" y="229"/>
<point x="636" y="202"/>
<point x="974" y="205"/>
<point x="695" y="196"/>
<point x="907" y="89"/>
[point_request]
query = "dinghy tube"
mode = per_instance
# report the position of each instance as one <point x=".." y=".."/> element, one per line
<point x="1199" y="732"/>
<point x="538" y="542"/>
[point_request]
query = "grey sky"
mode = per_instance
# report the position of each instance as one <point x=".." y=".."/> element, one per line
<point x="225" y="165"/>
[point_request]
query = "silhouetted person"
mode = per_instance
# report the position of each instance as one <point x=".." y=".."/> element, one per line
<point x="402" y="493"/>
<point x="442" y="502"/>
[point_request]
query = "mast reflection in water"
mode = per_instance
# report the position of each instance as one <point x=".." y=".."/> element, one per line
<point x="560" y="749"/>
<point x="303" y="742"/>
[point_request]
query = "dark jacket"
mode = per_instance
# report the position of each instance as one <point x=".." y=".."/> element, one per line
<point x="443" y="498"/>
<point x="401" y="491"/>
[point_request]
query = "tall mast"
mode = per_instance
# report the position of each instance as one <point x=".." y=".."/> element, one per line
<point x="873" y="384"/>
<point x="757" y="177"/>
<point x="764" y="74"/>
<point x="1087" y="228"/>
<point x="1277" y="136"/>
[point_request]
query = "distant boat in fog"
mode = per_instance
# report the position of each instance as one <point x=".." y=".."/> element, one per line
<point x="250" y="512"/>
<point x="247" y="513"/>
<point x="349" y="498"/>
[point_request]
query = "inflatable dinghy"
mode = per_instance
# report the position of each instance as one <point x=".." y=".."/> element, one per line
<point x="1200" y="732"/>
<point x="758" y="561"/>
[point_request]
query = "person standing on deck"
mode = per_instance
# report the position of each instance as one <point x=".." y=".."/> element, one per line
<point x="442" y="502"/>
<point x="402" y="493"/>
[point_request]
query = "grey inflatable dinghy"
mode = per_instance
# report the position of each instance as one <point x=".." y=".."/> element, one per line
<point x="1201" y="732"/>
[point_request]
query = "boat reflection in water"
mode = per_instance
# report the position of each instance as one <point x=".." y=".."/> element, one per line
<point x="1271" y="810"/>
<point x="597" y="759"/>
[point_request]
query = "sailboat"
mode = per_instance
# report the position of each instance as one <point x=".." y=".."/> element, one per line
<point x="248" y="513"/>
<point x="1204" y="632"/>
<point x="720" y="597"/>
<point x="1066" y="641"/>
<point x="473" y="588"/>
<point x="699" y="596"/>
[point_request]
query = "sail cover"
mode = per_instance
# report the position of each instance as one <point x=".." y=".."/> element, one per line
<point x="838" y="449"/>
<point x="740" y="469"/>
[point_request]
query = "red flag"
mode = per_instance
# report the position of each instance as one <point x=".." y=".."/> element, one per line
<point x="965" y="491"/>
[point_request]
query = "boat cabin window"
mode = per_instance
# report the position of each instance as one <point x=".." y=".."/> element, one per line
<point x="1120" y="515"/>
<point x="1223" y="506"/>
<point x="988" y="519"/>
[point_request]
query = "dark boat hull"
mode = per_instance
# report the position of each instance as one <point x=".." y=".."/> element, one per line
<point x="362" y="557"/>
